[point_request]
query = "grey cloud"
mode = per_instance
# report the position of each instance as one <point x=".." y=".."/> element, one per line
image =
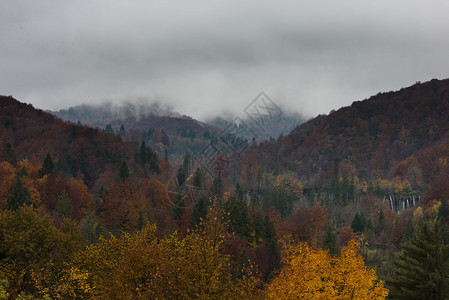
<point x="203" y="57"/>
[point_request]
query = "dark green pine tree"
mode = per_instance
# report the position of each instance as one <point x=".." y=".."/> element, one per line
<point x="187" y="163"/>
<point x="179" y="207"/>
<point x="199" y="212"/>
<point x="422" y="270"/>
<point x="358" y="224"/>
<point x="381" y="218"/>
<point x="258" y="226"/>
<point x="236" y="216"/>
<point x="166" y="154"/>
<point x="153" y="160"/>
<point x="443" y="216"/>
<point x="198" y="178"/>
<point x="18" y="195"/>
<point x="408" y="232"/>
<point x="123" y="173"/>
<point x="330" y="241"/>
<point x="239" y="190"/>
<point x="7" y="153"/>
<point x="443" y="210"/>
<point x="181" y="175"/>
<point x="269" y="231"/>
<point x="143" y="154"/>
<point x="73" y="133"/>
<point x="109" y="128"/>
<point x="47" y="166"/>
<point x="217" y="187"/>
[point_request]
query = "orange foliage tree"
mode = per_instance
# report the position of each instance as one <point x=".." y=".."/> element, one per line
<point x="306" y="224"/>
<point x="315" y="274"/>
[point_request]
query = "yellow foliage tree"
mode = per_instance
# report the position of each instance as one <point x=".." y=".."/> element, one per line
<point x="314" y="274"/>
<point x="142" y="266"/>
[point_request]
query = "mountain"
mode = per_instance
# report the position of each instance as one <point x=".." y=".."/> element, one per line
<point x="140" y="117"/>
<point x="76" y="150"/>
<point x="402" y="135"/>
<point x="272" y="127"/>
<point x="376" y="169"/>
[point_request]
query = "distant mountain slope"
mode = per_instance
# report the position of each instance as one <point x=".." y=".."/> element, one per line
<point x="142" y="117"/>
<point x="273" y="126"/>
<point x="133" y="117"/>
<point x="77" y="150"/>
<point x="388" y="135"/>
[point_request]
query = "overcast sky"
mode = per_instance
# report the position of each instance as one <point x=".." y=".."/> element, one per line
<point x="206" y="57"/>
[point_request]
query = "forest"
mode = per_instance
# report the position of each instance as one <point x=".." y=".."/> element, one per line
<point x="350" y="205"/>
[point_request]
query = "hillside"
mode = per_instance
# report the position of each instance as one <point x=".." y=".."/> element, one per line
<point x="76" y="150"/>
<point x="165" y="130"/>
<point x="402" y="133"/>
<point x="358" y="174"/>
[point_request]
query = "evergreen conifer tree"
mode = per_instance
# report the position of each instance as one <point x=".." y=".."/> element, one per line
<point x="358" y="223"/>
<point x="18" y="194"/>
<point x="330" y="241"/>
<point x="422" y="268"/>
<point x="47" y="166"/>
<point x="199" y="212"/>
<point x="123" y="173"/>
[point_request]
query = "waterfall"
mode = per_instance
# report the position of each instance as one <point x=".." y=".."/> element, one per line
<point x="407" y="204"/>
<point x="391" y="203"/>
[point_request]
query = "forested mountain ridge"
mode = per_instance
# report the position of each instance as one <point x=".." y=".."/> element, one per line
<point x="139" y="117"/>
<point x="384" y="136"/>
<point x="110" y="218"/>
<point x="76" y="150"/>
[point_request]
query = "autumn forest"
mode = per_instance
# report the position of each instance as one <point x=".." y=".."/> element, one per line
<point x="349" y="205"/>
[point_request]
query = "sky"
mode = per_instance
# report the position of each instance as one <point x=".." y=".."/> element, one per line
<point x="206" y="58"/>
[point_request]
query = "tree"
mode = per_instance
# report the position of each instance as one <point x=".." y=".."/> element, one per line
<point x="358" y="224"/>
<point x="143" y="154"/>
<point x="236" y="216"/>
<point x="443" y="210"/>
<point x="64" y="206"/>
<point x="307" y="224"/>
<point x="142" y="266"/>
<point x="181" y="175"/>
<point x="217" y="187"/>
<point x="315" y="274"/>
<point x="408" y="232"/>
<point x="179" y="207"/>
<point x="187" y="163"/>
<point x="91" y="228"/>
<point x="33" y="251"/>
<point x="123" y="173"/>
<point x="7" y="153"/>
<point x="122" y="205"/>
<point x="47" y="166"/>
<point x="422" y="270"/>
<point x="280" y="198"/>
<point x="153" y="160"/>
<point x="109" y="128"/>
<point x="198" y="178"/>
<point x="18" y="195"/>
<point x="199" y="213"/>
<point x="330" y="241"/>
